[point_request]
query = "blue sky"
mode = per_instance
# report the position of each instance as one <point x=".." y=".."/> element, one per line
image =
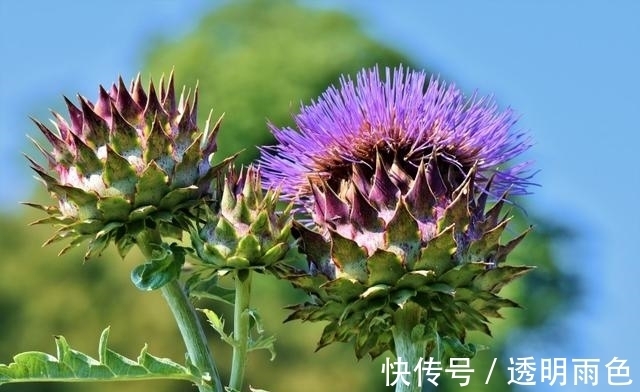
<point x="570" y="68"/>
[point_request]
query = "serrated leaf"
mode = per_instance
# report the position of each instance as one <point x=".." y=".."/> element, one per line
<point x="217" y="323"/>
<point x="80" y="197"/>
<point x="208" y="287"/>
<point x="71" y="365"/>
<point x="264" y="343"/>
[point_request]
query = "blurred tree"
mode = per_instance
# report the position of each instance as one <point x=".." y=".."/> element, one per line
<point x="254" y="60"/>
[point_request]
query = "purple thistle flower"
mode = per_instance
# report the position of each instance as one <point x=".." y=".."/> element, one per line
<point x="397" y="177"/>
<point x="396" y="116"/>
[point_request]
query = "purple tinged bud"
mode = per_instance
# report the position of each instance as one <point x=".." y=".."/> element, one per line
<point x="127" y="159"/>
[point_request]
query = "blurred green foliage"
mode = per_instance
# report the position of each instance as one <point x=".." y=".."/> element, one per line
<point x="257" y="60"/>
<point x="253" y="60"/>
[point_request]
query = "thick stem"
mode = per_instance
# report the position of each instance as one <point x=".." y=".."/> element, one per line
<point x="192" y="334"/>
<point x="409" y="349"/>
<point x="241" y="324"/>
<point x="187" y="320"/>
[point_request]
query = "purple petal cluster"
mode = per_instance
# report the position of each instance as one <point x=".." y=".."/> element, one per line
<point x="403" y="117"/>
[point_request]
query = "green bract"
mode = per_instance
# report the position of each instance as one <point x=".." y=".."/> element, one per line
<point x="130" y="162"/>
<point x="245" y="231"/>
<point x="426" y="244"/>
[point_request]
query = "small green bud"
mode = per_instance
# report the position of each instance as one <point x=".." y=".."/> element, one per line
<point x="246" y="231"/>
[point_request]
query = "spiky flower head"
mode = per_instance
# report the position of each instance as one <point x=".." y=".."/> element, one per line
<point x="130" y="161"/>
<point x="245" y="231"/>
<point x="397" y="177"/>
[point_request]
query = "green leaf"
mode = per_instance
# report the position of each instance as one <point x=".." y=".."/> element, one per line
<point x="217" y="323"/>
<point x="72" y="365"/>
<point x="200" y="286"/>
<point x="86" y="159"/>
<point x="164" y="267"/>
<point x="264" y="343"/>
<point x="96" y="246"/>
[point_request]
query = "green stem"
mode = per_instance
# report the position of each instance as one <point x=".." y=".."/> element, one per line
<point x="186" y="318"/>
<point x="409" y="349"/>
<point x="192" y="334"/>
<point x="241" y="324"/>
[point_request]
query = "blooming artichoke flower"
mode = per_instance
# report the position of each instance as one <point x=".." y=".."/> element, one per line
<point x="131" y="161"/>
<point x="245" y="231"/>
<point x="398" y="179"/>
